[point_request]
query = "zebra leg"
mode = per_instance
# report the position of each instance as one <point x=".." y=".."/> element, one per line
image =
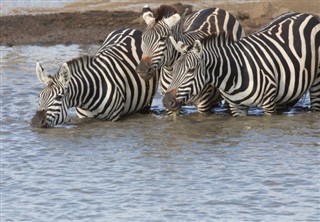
<point x="145" y="110"/>
<point x="315" y="94"/>
<point x="269" y="106"/>
<point x="238" y="110"/>
<point x="286" y="107"/>
<point x="210" y="98"/>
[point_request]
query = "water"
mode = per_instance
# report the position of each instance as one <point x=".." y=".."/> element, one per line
<point x="149" y="167"/>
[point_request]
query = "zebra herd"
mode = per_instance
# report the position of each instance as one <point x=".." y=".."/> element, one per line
<point x="198" y="59"/>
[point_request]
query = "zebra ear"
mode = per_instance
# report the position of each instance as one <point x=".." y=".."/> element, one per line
<point x="172" y="20"/>
<point x="179" y="46"/>
<point x="147" y="15"/>
<point x="64" y="74"/>
<point x="197" y="48"/>
<point x="42" y="75"/>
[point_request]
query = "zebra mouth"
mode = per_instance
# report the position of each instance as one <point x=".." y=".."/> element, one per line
<point x="175" y="105"/>
<point x="145" y="70"/>
<point x="39" y="120"/>
<point x="169" y="101"/>
<point x="146" y="75"/>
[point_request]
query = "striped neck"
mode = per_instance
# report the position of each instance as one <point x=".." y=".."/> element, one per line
<point x="79" y="85"/>
<point x="219" y="53"/>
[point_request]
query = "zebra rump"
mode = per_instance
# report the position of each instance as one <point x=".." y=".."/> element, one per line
<point x="105" y="86"/>
<point x="270" y="68"/>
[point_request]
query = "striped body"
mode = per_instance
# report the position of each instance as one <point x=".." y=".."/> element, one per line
<point x="270" y="68"/>
<point x="105" y="86"/>
<point x="159" y="53"/>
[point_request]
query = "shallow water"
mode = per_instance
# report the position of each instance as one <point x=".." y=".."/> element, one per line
<point x="149" y="167"/>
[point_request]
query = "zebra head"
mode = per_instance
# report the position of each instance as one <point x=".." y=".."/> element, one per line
<point x="155" y="39"/>
<point x="53" y="102"/>
<point x="188" y="77"/>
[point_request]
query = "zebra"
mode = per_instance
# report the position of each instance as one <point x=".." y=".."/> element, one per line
<point x="104" y="86"/>
<point x="159" y="54"/>
<point x="267" y="69"/>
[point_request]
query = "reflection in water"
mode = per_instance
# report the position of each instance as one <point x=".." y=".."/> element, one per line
<point x="148" y="167"/>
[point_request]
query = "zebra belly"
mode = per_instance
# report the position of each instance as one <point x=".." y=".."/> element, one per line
<point x="238" y="99"/>
<point x="294" y="86"/>
<point x="82" y="113"/>
<point x="98" y="113"/>
<point x="259" y="95"/>
<point x="288" y="96"/>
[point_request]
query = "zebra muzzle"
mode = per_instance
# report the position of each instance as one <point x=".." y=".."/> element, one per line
<point x="145" y="71"/>
<point x="39" y="119"/>
<point x="169" y="101"/>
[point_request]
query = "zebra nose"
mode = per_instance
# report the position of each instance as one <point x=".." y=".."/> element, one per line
<point x="169" y="101"/>
<point x="39" y="119"/>
<point x="145" y="70"/>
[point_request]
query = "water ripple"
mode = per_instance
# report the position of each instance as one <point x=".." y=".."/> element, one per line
<point x="149" y="167"/>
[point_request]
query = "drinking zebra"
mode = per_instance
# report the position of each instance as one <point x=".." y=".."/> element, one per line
<point x="270" y="68"/>
<point x="159" y="54"/>
<point x="104" y="86"/>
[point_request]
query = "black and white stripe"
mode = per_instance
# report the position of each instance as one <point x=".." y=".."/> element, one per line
<point x="159" y="53"/>
<point x="270" y="68"/>
<point x="104" y="86"/>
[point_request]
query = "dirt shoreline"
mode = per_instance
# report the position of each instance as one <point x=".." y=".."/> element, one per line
<point x="91" y="27"/>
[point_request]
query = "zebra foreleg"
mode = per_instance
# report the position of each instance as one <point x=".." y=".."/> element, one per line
<point x="315" y="94"/>
<point x="210" y="98"/>
<point x="269" y="107"/>
<point x="238" y="110"/>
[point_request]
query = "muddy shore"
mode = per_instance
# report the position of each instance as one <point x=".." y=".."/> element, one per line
<point x="80" y="26"/>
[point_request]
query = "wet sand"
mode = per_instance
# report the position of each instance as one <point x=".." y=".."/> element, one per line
<point x="86" y="22"/>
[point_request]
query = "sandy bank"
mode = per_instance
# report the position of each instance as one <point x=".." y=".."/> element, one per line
<point x="88" y="22"/>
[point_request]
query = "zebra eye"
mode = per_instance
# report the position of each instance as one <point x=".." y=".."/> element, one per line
<point x="192" y="70"/>
<point x="162" y="39"/>
<point x="59" y="97"/>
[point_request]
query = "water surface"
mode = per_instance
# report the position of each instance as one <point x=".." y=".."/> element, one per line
<point x="149" y="167"/>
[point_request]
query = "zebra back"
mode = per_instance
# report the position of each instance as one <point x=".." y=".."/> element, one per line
<point x="208" y="22"/>
<point x="117" y="36"/>
<point x="277" y="21"/>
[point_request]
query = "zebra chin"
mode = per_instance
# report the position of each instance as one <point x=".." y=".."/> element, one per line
<point x="169" y="101"/>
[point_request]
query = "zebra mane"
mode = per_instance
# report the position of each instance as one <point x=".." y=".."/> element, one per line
<point x="164" y="11"/>
<point x="222" y="35"/>
<point x="79" y="61"/>
<point x="210" y="36"/>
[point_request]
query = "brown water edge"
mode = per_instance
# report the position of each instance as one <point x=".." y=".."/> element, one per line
<point x="77" y="23"/>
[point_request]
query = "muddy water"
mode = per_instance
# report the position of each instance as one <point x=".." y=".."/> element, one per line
<point x="148" y="167"/>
